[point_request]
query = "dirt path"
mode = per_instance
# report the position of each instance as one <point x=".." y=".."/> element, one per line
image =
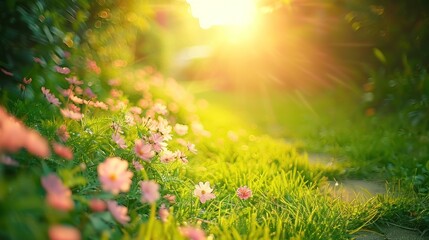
<point x="347" y="189"/>
<point x="362" y="190"/>
<point x="391" y="233"/>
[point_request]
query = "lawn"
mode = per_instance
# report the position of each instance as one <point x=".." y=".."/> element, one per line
<point x="333" y="122"/>
<point x="99" y="141"/>
<point x="287" y="200"/>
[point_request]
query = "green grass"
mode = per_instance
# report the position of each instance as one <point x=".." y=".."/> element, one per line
<point x="333" y="122"/>
<point x="287" y="201"/>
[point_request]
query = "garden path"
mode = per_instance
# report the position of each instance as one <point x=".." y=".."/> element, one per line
<point x="347" y="189"/>
<point x="362" y="190"/>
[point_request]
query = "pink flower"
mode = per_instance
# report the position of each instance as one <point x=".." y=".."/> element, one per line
<point x="62" y="151"/>
<point x="38" y="60"/>
<point x="193" y="233"/>
<point x="164" y="128"/>
<point x="170" y="198"/>
<point x="53" y="184"/>
<point x="50" y="97"/>
<point x="6" y="160"/>
<point x="6" y="72"/>
<point x="136" y="110"/>
<point x="167" y="156"/>
<point x="181" y="129"/>
<point x="92" y="66"/>
<point x="143" y="150"/>
<point x="27" y="80"/>
<point x="204" y="192"/>
<point x="36" y="144"/>
<point x="159" y="108"/>
<point x="65" y="92"/>
<point x="78" y="90"/>
<point x="66" y="54"/>
<point x="129" y="119"/>
<point x="12" y="132"/>
<point x="181" y="156"/>
<point x="70" y="114"/>
<point x="62" y="70"/>
<point x="244" y="193"/>
<point x="118" y="212"/>
<point x="163" y="213"/>
<point x="150" y="191"/>
<point x="53" y="100"/>
<point x="73" y="107"/>
<point x="119" y="63"/>
<point x="97" y="205"/>
<point x="45" y="91"/>
<point x="144" y="103"/>
<point x="59" y="196"/>
<point x="114" y="176"/>
<point x="113" y="82"/>
<point x="101" y="105"/>
<point x="14" y="136"/>
<point x="89" y="93"/>
<point x="60" y="202"/>
<point x="116" y="137"/>
<point x="116" y="127"/>
<point x="73" y="80"/>
<point x="150" y="123"/>
<point x="75" y="99"/>
<point x="62" y="133"/>
<point x="21" y="87"/>
<point x="191" y="148"/>
<point x="115" y="93"/>
<point x="156" y="140"/>
<point x="181" y="141"/>
<point x="138" y="166"/>
<point x="62" y="232"/>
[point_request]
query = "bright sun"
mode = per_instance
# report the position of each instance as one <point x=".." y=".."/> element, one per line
<point x="223" y="12"/>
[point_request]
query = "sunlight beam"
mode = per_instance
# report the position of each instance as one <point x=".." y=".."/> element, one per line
<point x="210" y="13"/>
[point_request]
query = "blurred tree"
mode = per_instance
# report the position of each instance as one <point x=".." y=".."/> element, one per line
<point x="399" y="28"/>
<point x="83" y="34"/>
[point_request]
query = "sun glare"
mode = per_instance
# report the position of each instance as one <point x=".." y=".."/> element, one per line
<point x="223" y="12"/>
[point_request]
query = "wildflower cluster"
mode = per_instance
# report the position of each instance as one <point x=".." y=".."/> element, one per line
<point x="14" y="135"/>
<point x="95" y="179"/>
<point x="147" y="135"/>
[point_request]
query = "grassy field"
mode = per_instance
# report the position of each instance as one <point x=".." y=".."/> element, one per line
<point x="257" y="141"/>
<point x="334" y="122"/>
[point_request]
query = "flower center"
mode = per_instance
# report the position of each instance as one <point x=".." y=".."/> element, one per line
<point x="140" y="151"/>
<point x="113" y="177"/>
<point x="203" y="192"/>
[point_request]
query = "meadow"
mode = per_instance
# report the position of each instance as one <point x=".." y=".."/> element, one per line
<point x="98" y="141"/>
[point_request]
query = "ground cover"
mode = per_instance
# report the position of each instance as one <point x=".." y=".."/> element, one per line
<point x="350" y="146"/>
<point x="43" y="193"/>
<point x="334" y="122"/>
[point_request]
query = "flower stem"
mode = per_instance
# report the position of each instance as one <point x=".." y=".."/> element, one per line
<point x="151" y="220"/>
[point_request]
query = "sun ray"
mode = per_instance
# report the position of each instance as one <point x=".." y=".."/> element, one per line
<point x="223" y="12"/>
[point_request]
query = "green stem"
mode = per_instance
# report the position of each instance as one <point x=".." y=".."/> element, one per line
<point x="151" y="221"/>
<point x="144" y="173"/>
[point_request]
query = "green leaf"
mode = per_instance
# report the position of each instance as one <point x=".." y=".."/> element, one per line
<point x="48" y="34"/>
<point x="99" y="220"/>
<point x="379" y="55"/>
<point x="76" y="181"/>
